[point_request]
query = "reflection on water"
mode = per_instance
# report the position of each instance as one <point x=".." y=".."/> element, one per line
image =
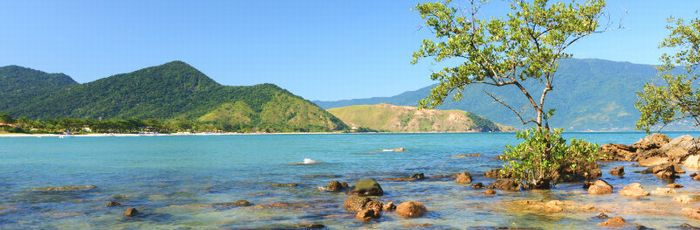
<point x="175" y="182"/>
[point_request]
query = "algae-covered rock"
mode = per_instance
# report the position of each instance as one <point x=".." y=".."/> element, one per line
<point x="367" y="187"/>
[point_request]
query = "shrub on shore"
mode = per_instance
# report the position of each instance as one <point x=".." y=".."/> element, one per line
<point x="544" y="158"/>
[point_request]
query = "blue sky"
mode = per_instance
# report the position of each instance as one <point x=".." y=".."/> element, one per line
<point x="323" y="50"/>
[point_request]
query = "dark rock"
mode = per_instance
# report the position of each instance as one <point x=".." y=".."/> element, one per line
<point x="493" y="173"/>
<point x="674" y="185"/>
<point x="505" y="184"/>
<point x="336" y="186"/>
<point x="367" y="187"/>
<point x="411" y="209"/>
<point x="687" y="226"/>
<point x="478" y="185"/>
<point x="311" y="226"/>
<point x="463" y="178"/>
<point x="418" y="176"/>
<point x="113" y="204"/>
<point x="131" y="212"/>
<point x="618" y="171"/>
<point x="602" y="216"/>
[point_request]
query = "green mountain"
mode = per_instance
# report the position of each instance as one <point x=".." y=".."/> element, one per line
<point x="17" y="84"/>
<point x="177" y="91"/>
<point x="589" y="94"/>
<point x="386" y="117"/>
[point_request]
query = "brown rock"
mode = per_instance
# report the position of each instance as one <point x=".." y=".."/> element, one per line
<point x="618" y="152"/>
<point x="477" y="185"/>
<point x="355" y="203"/>
<point x="366" y="215"/>
<point x="653" y="141"/>
<point x="618" y="171"/>
<point x="374" y="205"/>
<point x="680" y="147"/>
<point x="389" y="206"/>
<point x="653" y="161"/>
<point x="600" y="187"/>
<point x="463" y="178"/>
<point x="411" y="209"/>
<point x="614" y="222"/>
<point x="131" y="212"/>
<point x="112" y="204"/>
<point x="634" y="190"/>
<point x="490" y="192"/>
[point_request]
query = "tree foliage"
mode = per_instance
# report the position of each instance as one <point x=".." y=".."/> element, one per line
<point x="676" y="99"/>
<point x="525" y="45"/>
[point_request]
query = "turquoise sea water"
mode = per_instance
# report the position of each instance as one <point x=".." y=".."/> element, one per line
<point x="174" y="180"/>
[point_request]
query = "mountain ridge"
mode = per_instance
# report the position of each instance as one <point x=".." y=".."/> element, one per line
<point x="589" y="94"/>
<point x="176" y="91"/>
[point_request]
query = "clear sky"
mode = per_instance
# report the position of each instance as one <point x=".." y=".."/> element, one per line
<point x="323" y="50"/>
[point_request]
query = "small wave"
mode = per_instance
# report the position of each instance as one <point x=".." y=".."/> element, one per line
<point x="306" y="161"/>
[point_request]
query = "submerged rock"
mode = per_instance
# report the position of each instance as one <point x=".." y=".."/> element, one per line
<point x="600" y="187"/>
<point x="238" y="203"/>
<point x="463" y="178"/>
<point x="131" y="212"/>
<point x="478" y="185"/>
<point x="618" y="171"/>
<point x="288" y="185"/>
<point x="634" y="190"/>
<point x="614" y="222"/>
<point x="367" y="187"/>
<point x="663" y="191"/>
<point x="552" y="206"/>
<point x="112" y="204"/>
<point x="490" y="192"/>
<point x="683" y="199"/>
<point x="411" y="209"/>
<point x="414" y="177"/>
<point x="466" y="155"/>
<point x="687" y="226"/>
<point x="691" y="212"/>
<point x="67" y="188"/>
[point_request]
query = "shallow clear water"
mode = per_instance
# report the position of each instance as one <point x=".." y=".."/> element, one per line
<point x="173" y="180"/>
